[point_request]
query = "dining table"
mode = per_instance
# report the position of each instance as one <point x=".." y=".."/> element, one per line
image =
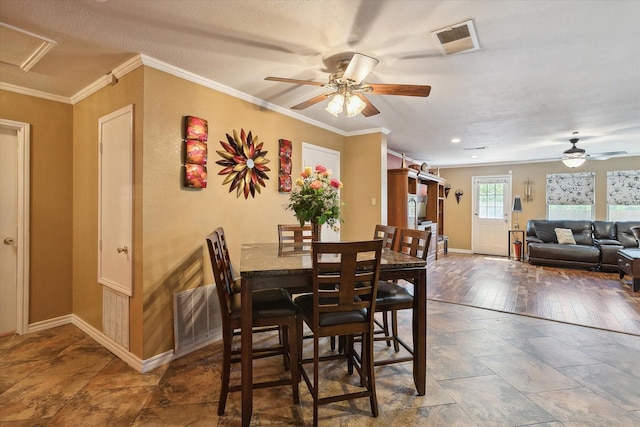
<point x="269" y="265"/>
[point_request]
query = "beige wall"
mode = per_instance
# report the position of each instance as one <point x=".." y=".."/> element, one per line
<point x="176" y="219"/>
<point x="87" y="292"/>
<point x="363" y="170"/>
<point x="51" y="201"/>
<point x="458" y="216"/>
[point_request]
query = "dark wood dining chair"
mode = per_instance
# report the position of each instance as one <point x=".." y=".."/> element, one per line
<point x="388" y="234"/>
<point x="392" y="296"/>
<point x="345" y="282"/>
<point x="294" y="233"/>
<point x="271" y="308"/>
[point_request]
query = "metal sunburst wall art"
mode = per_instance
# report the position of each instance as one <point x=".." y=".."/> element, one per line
<point x="244" y="163"/>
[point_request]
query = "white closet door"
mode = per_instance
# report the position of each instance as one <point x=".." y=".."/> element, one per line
<point x="116" y="200"/>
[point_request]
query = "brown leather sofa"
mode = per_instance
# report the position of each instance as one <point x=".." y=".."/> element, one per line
<point x="597" y="243"/>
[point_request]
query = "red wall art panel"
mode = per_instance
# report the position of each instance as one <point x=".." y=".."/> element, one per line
<point x="195" y="157"/>
<point x="284" y="173"/>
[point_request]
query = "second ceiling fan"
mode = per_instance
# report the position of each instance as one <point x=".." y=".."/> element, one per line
<point x="348" y="88"/>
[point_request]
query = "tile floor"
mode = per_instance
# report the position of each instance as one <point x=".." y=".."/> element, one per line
<point x="484" y="368"/>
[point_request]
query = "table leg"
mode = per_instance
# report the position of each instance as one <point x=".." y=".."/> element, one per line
<point x="246" y="344"/>
<point x="636" y="284"/>
<point x="420" y="332"/>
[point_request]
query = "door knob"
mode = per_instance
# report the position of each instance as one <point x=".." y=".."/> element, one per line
<point x="8" y="241"/>
<point x="123" y="249"/>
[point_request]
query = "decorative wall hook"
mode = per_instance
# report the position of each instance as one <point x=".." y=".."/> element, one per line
<point x="459" y="194"/>
<point x="447" y="188"/>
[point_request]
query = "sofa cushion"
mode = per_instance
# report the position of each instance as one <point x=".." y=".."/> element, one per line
<point x="582" y="231"/>
<point x="565" y="236"/>
<point x="579" y="254"/>
<point x="625" y="236"/>
<point x="604" y="230"/>
<point x="545" y="230"/>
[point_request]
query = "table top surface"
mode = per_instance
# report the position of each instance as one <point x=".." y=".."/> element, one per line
<point x="275" y="259"/>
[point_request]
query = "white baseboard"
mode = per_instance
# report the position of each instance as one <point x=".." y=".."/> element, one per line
<point x="460" y="251"/>
<point x="126" y="356"/>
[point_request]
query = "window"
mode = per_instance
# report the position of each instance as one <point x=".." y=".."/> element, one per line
<point x="570" y="195"/>
<point x="491" y="200"/>
<point x="623" y="195"/>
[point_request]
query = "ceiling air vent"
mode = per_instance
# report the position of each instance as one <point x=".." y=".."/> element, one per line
<point x="456" y="38"/>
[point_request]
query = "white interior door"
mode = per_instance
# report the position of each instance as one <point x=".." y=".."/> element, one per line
<point x="490" y="225"/>
<point x="115" y="188"/>
<point x="313" y="155"/>
<point x="14" y="226"/>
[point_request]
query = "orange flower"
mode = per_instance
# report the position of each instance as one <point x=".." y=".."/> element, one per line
<point x="316" y="185"/>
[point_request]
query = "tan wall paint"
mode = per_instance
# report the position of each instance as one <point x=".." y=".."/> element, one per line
<point x="363" y="168"/>
<point x="176" y="219"/>
<point x="87" y="292"/>
<point x="51" y="201"/>
<point x="458" y="216"/>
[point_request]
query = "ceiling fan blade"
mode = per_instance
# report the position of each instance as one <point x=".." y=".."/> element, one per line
<point x="359" y="67"/>
<point x="369" y="110"/>
<point x="296" y="81"/>
<point x="404" y="90"/>
<point x="312" y="101"/>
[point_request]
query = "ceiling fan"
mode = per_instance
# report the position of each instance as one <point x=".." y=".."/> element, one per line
<point x="574" y="156"/>
<point x="348" y="88"/>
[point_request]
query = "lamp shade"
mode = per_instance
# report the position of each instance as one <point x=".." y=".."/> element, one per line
<point x="517" y="204"/>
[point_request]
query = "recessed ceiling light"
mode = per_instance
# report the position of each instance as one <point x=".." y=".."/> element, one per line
<point x="474" y="157"/>
<point x="455" y="140"/>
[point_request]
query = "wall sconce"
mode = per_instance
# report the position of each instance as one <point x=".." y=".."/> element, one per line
<point x="459" y="194"/>
<point x="528" y="191"/>
<point x="447" y="188"/>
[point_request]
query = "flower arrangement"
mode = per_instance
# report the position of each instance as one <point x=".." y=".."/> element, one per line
<point x="315" y="197"/>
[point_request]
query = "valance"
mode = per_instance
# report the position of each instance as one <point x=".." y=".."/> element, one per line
<point x="571" y="188"/>
<point x="623" y="187"/>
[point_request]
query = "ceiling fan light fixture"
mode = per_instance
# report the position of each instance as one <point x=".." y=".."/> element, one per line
<point x="335" y="105"/>
<point x="573" y="162"/>
<point x="354" y="105"/>
<point x="574" y="156"/>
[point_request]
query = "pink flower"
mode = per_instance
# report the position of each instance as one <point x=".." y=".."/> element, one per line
<point x="316" y="185"/>
<point x="335" y="183"/>
<point x="320" y="169"/>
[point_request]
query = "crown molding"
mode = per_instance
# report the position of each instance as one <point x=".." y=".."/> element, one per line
<point x="383" y="131"/>
<point x="31" y="92"/>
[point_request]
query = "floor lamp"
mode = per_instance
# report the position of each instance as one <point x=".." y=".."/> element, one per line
<point x="517" y="208"/>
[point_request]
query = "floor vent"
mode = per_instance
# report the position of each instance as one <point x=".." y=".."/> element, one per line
<point x="456" y="38"/>
<point x="196" y="315"/>
<point x="115" y="316"/>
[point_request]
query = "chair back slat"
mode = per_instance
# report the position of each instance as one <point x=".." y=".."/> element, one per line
<point x="345" y="275"/>
<point x="220" y="275"/>
<point x="415" y="242"/>
<point x="388" y="234"/>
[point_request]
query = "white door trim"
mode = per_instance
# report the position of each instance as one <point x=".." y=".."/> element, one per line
<point x="22" y="274"/>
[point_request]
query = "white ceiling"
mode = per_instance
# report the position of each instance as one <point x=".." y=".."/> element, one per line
<point x="544" y="68"/>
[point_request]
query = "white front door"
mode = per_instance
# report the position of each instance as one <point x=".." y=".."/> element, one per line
<point x="14" y="226"/>
<point x="491" y="197"/>
<point x="313" y="155"/>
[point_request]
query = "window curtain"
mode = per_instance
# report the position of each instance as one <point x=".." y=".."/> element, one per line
<point x="623" y="187"/>
<point x="571" y="188"/>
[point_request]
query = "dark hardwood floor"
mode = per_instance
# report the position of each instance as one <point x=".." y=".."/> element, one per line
<point x="581" y="297"/>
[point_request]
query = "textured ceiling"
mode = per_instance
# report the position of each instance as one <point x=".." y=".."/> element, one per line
<point x="544" y="68"/>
